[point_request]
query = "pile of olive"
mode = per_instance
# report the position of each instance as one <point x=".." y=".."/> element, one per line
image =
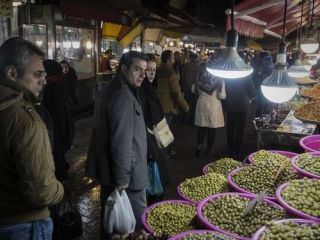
<point x="262" y="176"/>
<point x="291" y="230"/>
<point x="170" y="218"/>
<point x="264" y="156"/>
<point x="206" y="236"/>
<point x="223" y="166"/>
<point x="309" y="163"/>
<point x="198" y="188"/>
<point x="227" y="212"/>
<point x="304" y="195"/>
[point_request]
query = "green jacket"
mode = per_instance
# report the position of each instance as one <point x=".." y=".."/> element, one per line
<point x="169" y="90"/>
<point x="27" y="180"/>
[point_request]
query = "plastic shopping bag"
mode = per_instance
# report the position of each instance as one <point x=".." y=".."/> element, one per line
<point x="118" y="214"/>
<point x="155" y="187"/>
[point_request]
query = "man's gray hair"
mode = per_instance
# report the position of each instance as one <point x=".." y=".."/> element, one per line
<point x="17" y="52"/>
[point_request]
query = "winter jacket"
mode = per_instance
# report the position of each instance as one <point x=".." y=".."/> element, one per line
<point x="117" y="153"/>
<point x="169" y="90"/>
<point x="27" y="180"/>
<point x="209" y="111"/>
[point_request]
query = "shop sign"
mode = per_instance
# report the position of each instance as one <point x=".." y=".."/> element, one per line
<point x="6" y="8"/>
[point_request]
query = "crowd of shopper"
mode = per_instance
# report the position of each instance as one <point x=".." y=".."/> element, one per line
<point x="37" y="101"/>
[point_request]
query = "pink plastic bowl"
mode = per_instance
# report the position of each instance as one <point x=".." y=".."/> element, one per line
<point x="284" y="153"/>
<point x="310" y="143"/>
<point x="147" y="210"/>
<point x="292" y="209"/>
<point x="184" y="234"/>
<point x="204" y="220"/>
<point x="180" y="193"/>
<point x="302" y="172"/>
<point x="258" y="234"/>
<point x="237" y="188"/>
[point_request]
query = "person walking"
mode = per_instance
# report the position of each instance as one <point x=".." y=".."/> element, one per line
<point x="209" y="113"/>
<point x="117" y="155"/>
<point x="240" y="93"/>
<point x="153" y="114"/>
<point x="28" y="183"/>
<point x="169" y="90"/>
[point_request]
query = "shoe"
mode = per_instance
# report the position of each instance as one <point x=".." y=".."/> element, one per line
<point x="198" y="152"/>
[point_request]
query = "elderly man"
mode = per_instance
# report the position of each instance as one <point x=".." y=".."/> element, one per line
<point x="28" y="183"/>
<point x="117" y="155"/>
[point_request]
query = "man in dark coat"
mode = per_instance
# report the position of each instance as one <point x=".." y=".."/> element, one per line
<point x="239" y="94"/>
<point x="54" y="100"/>
<point x="117" y="155"/>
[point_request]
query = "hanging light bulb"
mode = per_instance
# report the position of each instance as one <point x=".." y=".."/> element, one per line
<point x="279" y="87"/>
<point x="306" y="63"/>
<point x="310" y="44"/>
<point x="230" y="65"/>
<point x="297" y="70"/>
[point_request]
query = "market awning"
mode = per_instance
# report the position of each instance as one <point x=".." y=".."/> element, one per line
<point x="112" y="30"/>
<point x="259" y="17"/>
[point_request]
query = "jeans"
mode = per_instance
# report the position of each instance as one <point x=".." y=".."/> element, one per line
<point x="37" y="230"/>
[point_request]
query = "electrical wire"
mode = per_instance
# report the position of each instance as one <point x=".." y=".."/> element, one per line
<point x="232" y="14"/>
<point x="284" y="20"/>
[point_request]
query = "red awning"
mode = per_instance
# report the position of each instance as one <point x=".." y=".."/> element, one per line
<point x="255" y="17"/>
<point x="94" y="9"/>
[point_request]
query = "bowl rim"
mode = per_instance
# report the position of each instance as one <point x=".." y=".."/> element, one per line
<point x="258" y="233"/>
<point x="302" y="144"/>
<point x="186" y="233"/>
<point x="302" y="171"/>
<point x="289" y="208"/>
<point x="204" y="220"/>
<point x="148" y="209"/>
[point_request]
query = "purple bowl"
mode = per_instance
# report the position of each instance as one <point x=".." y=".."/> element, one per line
<point x="237" y="188"/>
<point x="180" y="193"/>
<point x="184" y="234"/>
<point x="148" y="209"/>
<point x="310" y="143"/>
<point x="302" y="172"/>
<point x="258" y="234"/>
<point x="205" y="168"/>
<point x="284" y="153"/>
<point x="292" y="209"/>
<point x="218" y="229"/>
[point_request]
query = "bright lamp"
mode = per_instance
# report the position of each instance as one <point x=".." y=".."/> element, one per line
<point x="297" y="70"/>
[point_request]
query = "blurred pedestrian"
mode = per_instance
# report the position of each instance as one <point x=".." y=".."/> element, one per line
<point x="105" y="64"/>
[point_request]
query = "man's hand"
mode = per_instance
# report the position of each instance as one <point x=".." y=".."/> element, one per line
<point x="120" y="188"/>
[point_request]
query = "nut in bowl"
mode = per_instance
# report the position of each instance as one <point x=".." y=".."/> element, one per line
<point x="225" y="213"/>
<point x="301" y="197"/>
<point x="286" y="228"/>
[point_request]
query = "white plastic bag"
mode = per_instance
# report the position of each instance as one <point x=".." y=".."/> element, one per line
<point x="118" y="214"/>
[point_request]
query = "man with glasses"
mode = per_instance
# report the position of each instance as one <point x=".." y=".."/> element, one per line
<point x="27" y="180"/>
<point x="117" y="155"/>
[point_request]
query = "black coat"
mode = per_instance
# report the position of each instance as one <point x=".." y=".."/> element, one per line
<point x="153" y="113"/>
<point x="239" y="92"/>
<point x="54" y="100"/>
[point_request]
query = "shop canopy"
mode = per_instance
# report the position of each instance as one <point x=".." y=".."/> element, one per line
<point x="254" y="18"/>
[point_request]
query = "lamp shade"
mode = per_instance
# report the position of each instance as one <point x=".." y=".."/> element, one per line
<point x="297" y="70"/>
<point x="229" y="65"/>
<point x="309" y="45"/>
<point x="279" y="87"/>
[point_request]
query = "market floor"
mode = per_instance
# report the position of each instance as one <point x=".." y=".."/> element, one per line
<point x="184" y="164"/>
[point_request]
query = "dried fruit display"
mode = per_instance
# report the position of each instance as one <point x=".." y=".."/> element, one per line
<point x="309" y="112"/>
<point x="313" y="92"/>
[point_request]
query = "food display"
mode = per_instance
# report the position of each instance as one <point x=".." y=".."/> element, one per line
<point x="223" y="166"/>
<point x="301" y="197"/>
<point x="283" y="230"/>
<point x="309" y="112"/>
<point x="308" y="165"/>
<point x="225" y="213"/>
<point x="264" y="176"/>
<point x="264" y="156"/>
<point x="200" y="235"/>
<point x="198" y="188"/>
<point x="168" y="218"/>
<point x="313" y="92"/>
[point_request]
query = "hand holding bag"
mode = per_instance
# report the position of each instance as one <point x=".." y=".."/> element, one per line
<point x="162" y="133"/>
<point x="118" y="215"/>
<point x="155" y="187"/>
